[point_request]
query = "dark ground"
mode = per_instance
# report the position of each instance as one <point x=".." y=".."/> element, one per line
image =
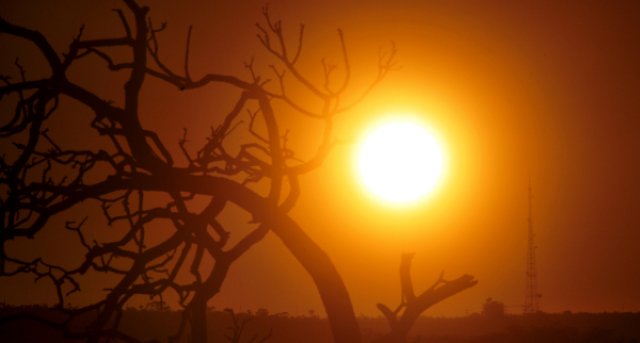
<point x="476" y="328"/>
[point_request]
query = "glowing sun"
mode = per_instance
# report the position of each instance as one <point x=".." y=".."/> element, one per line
<point x="400" y="161"/>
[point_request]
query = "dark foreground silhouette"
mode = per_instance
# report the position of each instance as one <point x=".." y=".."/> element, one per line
<point x="262" y="326"/>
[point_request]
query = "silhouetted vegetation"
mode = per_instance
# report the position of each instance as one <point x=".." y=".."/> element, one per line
<point x="161" y="205"/>
<point x="261" y="326"/>
<point x="493" y="308"/>
<point x="402" y="319"/>
<point x="160" y="231"/>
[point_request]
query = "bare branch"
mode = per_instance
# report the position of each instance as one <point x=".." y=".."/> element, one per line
<point x="135" y="181"/>
<point x="186" y="54"/>
<point x="411" y="307"/>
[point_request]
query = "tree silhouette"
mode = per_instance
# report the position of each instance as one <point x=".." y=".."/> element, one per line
<point x="139" y="183"/>
<point x="236" y="330"/>
<point x="493" y="308"/>
<point x="44" y="179"/>
<point x="411" y="306"/>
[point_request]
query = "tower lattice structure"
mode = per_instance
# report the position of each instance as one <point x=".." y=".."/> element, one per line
<point x="532" y="296"/>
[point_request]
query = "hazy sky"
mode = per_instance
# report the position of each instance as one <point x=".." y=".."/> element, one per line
<point x="546" y="91"/>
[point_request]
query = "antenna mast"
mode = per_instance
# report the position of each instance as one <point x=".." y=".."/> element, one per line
<point x="532" y="297"/>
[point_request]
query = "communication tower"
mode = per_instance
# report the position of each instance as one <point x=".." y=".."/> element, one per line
<point x="532" y="297"/>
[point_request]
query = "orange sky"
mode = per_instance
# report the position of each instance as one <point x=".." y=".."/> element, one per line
<point x="540" y="91"/>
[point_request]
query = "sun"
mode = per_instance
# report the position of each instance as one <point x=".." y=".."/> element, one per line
<point x="400" y="161"/>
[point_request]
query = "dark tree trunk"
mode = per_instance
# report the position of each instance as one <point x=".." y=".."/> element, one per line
<point x="314" y="260"/>
<point x="401" y="320"/>
<point x="328" y="281"/>
<point x="199" y="322"/>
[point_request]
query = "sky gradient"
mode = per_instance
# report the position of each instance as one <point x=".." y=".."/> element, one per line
<point x="540" y="92"/>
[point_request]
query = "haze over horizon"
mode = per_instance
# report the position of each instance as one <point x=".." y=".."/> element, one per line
<point x="528" y="91"/>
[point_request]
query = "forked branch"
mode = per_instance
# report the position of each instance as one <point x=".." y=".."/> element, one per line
<point x="411" y="306"/>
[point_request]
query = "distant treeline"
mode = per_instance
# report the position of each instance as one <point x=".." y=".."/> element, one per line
<point x="535" y="328"/>
<point x="19" y="324"/>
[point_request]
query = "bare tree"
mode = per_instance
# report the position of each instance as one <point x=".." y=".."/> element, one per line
<point x="42" y="179"/>
<point x="411" y="306"/>
<point x="136" y="182"/>
<point x="236" y="332"/>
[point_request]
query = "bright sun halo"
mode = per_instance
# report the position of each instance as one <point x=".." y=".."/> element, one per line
<point x="400" y="161"/>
